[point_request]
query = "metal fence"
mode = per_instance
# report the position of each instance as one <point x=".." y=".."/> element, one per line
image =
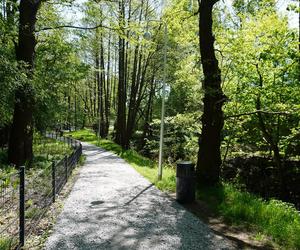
<point x="25" y="198"/>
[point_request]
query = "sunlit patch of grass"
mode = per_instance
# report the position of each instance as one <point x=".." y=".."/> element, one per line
<point x="47" y="149"/>
<point x="7" y="243"/>
<point x="86" y="135"/>
<point x="274" y="218"/>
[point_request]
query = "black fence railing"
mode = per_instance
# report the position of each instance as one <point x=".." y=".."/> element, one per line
<point x="25" y="197"/>
<point x="9" y="207"/>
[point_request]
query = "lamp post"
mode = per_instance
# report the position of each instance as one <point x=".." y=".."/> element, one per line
<point x="162" y="124"/>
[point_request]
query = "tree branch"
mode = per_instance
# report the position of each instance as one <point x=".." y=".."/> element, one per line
<point x="259" y="112"/>
<point x="75" y="27"/>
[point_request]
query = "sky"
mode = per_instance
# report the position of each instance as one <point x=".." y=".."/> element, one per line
<point x="292" y="16"/>
<point x="74" y="14"/>
<point x="282" y="5"/>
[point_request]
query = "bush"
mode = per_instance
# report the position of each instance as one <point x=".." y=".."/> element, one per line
<point x="181" y="138"/>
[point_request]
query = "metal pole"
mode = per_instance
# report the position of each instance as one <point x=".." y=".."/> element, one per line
<point x="66" y="168"/>
<point x="161" y="141"/>
<point x="53" y="182"/>
<point x="22" y="207"/>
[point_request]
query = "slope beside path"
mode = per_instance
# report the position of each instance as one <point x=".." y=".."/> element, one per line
<point x="111" y="206"/>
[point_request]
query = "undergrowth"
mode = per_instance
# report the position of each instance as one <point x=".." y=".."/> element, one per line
<point x="45" y="151"/>
<point x="274" y="218"/>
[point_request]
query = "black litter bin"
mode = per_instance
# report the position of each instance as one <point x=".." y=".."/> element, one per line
<point x="185" y="182"/>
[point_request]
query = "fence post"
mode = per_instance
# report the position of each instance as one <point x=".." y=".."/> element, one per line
<point x="22" y="207"/>
<point x="66" y="167"/>
<point x="53" y="181"/>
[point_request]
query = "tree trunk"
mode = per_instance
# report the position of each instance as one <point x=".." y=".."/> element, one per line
<point x="98" y="83"/>
<point x="209" y="156"/>
<point x="273" y="143"/>
<point x="68" y="126"/>
<point x="108" y="88"/>
<point x="120" y="137"/>
<point x="102" y="91"/>
<point x="114" y="82"/>
<point x="132" y="99"/>
<point x="75" y="108"/>
<point x="20" y="144"/>
<point x="146" y="127"/>
<point x="135" y="81"/>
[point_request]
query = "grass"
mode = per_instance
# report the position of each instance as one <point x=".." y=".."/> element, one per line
<point x="276" y="219"/>
<point x="7" y="243"/>
<point x="45" y="150"/>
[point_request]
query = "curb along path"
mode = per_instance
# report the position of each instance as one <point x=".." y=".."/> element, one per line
<point x="112" y="206"/>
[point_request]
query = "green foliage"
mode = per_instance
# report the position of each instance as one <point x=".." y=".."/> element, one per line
<point x="181" y="138"/>
<point x="59" y="72"/>
<point x="260" y="62"/>
<point x="11" y="75"/>
<point x="47" y="150"/>
<point x="183" y="60"/>
<point x="7" y="243"/>
<point x="258" y="55"/>
<point x="32" y="212"/>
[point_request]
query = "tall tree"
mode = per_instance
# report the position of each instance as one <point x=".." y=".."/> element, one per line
<point x="209" y="156"/>
<point x="121" y="106"/>
<point x="20" y="144"/>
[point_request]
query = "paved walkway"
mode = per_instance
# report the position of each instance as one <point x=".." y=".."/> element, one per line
<point x="111" y="206"/>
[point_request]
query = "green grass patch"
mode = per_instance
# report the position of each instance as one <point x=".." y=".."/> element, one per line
<point x="7" y="243"/>
<point x="276" y="219"/>
<point x="47" y="150"/>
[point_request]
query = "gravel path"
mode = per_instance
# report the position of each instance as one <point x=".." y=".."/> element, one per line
<point x="111" y="206"/>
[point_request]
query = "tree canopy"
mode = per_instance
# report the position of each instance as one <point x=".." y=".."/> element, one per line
<point x="232" y="85"/>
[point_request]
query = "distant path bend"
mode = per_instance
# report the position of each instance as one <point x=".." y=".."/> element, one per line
<point x="111" y="206"/>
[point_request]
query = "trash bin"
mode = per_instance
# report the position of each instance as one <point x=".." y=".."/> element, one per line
<point x="185" y="182"/>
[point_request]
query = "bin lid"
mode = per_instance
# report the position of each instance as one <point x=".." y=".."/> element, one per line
<point x="184" y="163"/>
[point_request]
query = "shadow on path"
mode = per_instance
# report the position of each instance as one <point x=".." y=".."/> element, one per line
<point x="113" y="207"/>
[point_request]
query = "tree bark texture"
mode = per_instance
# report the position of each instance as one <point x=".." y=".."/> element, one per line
<point x="120" y="136"/>
<point x="209" y="156"/>
<point x="20" y="144"/>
